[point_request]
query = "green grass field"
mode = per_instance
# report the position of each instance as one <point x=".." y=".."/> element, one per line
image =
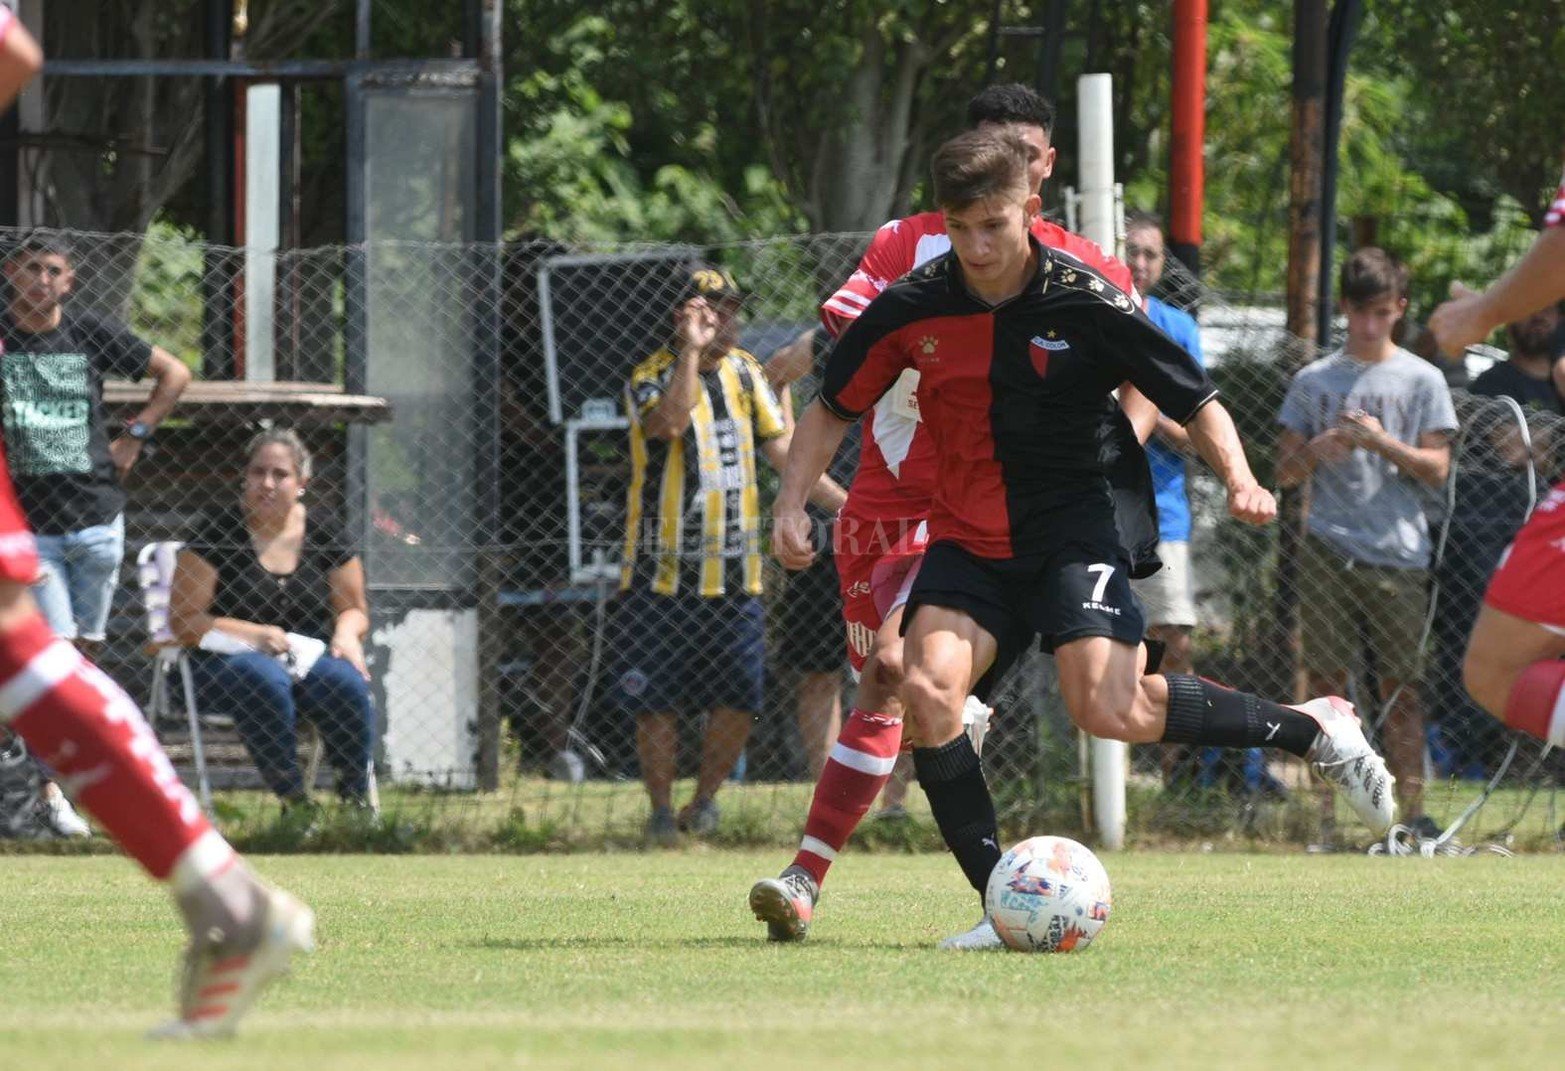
<point x="649" y="960"/>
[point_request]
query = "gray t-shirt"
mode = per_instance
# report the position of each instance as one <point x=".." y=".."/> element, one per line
<point x="1366" y="507"/>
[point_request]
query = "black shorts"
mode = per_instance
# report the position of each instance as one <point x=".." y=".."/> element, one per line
<point x="1076" y="590"/>
<point x="809" y="620"/>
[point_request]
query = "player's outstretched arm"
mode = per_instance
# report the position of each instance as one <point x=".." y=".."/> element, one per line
<point x="20" y="59"/>
<point x="1533" y="282"/>
<point x="815" y="442"/>
<point x="1216" y="439"/>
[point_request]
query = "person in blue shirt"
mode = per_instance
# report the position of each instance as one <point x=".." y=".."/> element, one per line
<point x="1169" y="594"/>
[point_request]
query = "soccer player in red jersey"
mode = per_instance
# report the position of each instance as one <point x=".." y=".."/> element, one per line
<point x="91" y="733"/>
<point x="880" y="534"/>
<point x="1019" y="348"/>
<point x="1514" y="666"/>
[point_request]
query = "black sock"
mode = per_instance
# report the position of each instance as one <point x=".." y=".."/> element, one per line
<point x="1200" y="712"/>
<point x="959" y="799"/>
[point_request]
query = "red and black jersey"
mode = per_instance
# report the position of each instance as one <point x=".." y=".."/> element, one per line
<point x="1017" y="397"/>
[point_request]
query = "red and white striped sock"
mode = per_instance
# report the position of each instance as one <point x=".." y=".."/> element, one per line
<point x="79" y="722"/>
<point x="856" y="770"/>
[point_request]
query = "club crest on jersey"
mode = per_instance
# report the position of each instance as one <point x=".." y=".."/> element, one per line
<point x="1041" y="346"/>
<point x="928" y="344"/>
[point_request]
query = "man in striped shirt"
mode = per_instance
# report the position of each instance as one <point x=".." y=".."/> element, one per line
<point x="689" y="624"/>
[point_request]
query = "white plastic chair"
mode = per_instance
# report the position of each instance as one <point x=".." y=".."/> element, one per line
<point x="155" y="578"/>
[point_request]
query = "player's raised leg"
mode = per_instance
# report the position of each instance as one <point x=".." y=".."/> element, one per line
<point x="1514" y="670"/>
<point x="91" y="733"/>
<point x="1513" y="666"/>
<point x="1102" y="684"/>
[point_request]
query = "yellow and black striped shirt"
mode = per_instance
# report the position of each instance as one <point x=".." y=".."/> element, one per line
<point x="693" y="518"/>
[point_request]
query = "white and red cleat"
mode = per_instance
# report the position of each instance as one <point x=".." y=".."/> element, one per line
<point x="221" y="982"/>
<point x="786" y="904"/>
<point x="1341" y="754"/>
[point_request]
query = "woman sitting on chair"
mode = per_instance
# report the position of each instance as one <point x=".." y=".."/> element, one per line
<point x="273" y="594"/>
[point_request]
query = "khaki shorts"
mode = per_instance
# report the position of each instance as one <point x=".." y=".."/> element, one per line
<point x="1169" y="593"/>
<point x="1344" y="605"/>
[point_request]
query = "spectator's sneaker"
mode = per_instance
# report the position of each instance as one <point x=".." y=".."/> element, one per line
<point x="59" y="815"/>
<point x="894" y="812"/>
<point x="223" y="976"/>
<point x="1425" y="828"/>
<point x="1341" y="754"/>
<point x="699" y="817"/>
<point x="662" y="830"/>
<point x="21" y="795"/>
<point x="981" y="938"/>
<point x="786" y="904"/>
<point x="567" y="766"/>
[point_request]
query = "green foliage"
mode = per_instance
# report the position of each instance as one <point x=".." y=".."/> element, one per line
<point x="166" y="296"/>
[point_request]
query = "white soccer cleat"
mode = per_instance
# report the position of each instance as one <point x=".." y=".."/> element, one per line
<point x="60" y="816"/>
<point x="1341" y="754"/>
<point x="981" y="938"/>
<point x="975" y="718"/>
<point x="220" y="984"/>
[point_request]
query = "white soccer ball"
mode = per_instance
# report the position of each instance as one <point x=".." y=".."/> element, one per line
<point x="1048" y="894"/>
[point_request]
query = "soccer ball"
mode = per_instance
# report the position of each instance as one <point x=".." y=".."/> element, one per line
<point x="1048" y="894"/>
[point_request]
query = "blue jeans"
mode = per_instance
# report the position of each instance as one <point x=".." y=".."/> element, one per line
<point x="266" y="705"/>
<point x="78" y="572"/>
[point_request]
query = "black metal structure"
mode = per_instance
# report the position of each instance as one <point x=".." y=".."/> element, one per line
<point x="1341" y="32"/>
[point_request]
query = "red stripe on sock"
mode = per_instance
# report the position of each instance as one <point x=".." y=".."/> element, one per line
<point x="843" y="795"/>
<point x="89" y="731"/>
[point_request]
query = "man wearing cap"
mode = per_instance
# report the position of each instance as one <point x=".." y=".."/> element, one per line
<point x="689" y="623"/>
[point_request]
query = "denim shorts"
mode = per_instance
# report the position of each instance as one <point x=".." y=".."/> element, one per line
<point x="77" y="574"/>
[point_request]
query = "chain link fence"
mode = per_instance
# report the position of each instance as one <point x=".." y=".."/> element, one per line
<point x="471" y="461"/>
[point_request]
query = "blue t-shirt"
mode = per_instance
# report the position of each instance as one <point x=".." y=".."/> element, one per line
<point x="1168" y="464"/>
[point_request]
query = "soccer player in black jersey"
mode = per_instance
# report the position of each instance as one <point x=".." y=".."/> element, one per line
<point x="1019" y="348"/>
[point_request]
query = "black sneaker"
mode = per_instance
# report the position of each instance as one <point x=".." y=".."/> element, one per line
<point x="22" y="810"/>
<point x="1425" y="828"/>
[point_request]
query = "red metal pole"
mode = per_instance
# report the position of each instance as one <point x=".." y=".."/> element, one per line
<point x="1187" y="170"/>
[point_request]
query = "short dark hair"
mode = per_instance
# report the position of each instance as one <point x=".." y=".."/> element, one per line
<point x="1010" y="102"/>
<point x="1139" y="219"/>
<point x="47" y="242"/>
<point x="976" y="165"/>
<point x="1372" y="273"/>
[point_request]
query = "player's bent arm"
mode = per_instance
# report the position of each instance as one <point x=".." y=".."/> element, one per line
<point x="20" y="60"/>
<point x="190" y="603"/>
<point x="1138" y="408"/>
<point x="815" y="443"/>
<point x="1533" y="282"/>
<point x="1215" y="438"/>
<point x="827" y="493"/>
